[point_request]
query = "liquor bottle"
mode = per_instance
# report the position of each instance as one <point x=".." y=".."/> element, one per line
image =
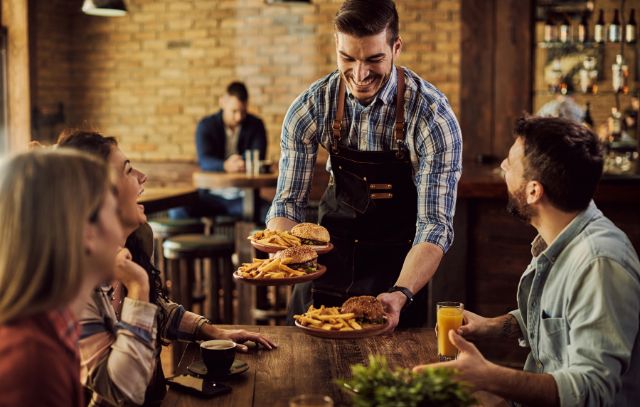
<point x="620" y="75"/>
<point x="598" y="32"/>
<point x="615" y="124"/>
<point x="583" y="30"/>
<point x="565" y="29"/>
<point x="550" y="34"/>
<point x="615" y="32"/>
<point x="588" y="120"/>
<point x="630" y="28"/>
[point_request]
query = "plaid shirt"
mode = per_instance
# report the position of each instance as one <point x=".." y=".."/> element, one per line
<point x="432" y="135"/>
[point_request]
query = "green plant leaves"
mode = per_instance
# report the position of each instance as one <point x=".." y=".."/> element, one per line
<point x="377" y="385"/>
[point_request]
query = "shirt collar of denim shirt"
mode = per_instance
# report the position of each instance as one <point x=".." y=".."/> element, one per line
<point x="551" y="253"/>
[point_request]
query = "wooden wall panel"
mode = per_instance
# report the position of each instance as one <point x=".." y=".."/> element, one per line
<point x="496" y="72"/>
<point x="513" y="56"/>
<point x="476" y="91"/>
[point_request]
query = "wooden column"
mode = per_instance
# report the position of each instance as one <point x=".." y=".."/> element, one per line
<point x="15" y="17"/>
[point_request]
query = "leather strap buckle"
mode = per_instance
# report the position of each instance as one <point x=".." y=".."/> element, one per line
<point x="381" y="195"/>
<point x="384" y="187"/>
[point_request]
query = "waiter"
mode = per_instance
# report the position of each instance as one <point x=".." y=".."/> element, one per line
<point x="394" y="157"/>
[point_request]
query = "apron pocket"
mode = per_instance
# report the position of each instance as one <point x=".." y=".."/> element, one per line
<point x="352" y="190"/>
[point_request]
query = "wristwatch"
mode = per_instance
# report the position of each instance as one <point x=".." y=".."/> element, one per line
<point x="405" y="291"/>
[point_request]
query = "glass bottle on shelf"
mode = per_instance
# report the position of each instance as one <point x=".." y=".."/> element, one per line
<point x="555" y="77"/>
<point x="588" y="75"/>
<point x="583" y="29"/>
<point x="565" y="29"/>
<point x="630" y="28"/>
<point x="550" y="33"/>
<point x="620" y="75"/>
<point x="598" y="32"/>
<point x="615" y="125"/>
<point x="615" y="32"/>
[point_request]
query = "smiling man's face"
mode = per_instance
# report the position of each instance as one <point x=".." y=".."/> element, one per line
<point x="365" y="63"/>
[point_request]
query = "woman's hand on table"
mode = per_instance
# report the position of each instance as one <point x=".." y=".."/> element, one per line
<point x="239" y="336"/>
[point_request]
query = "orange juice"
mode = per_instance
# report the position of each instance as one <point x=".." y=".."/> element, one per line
<point x="449" y="317"/>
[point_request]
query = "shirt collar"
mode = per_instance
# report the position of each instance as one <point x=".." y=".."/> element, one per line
<point x="387" y="94"/>
<point x="66" y="327"/>
<point x="539" y="246"/>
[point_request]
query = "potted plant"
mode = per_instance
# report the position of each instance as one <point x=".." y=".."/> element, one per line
<point x="377" y="385"/>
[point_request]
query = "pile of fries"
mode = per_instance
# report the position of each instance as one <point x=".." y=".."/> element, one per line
<point x="275" y="238"/>
<point x="268" y="269"/>
<point x="328" y="318"/>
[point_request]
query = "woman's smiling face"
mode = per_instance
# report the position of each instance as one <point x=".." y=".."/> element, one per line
<point x="129" y="185"/>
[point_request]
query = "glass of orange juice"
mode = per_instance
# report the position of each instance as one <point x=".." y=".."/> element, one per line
<point x="449" y="316"/>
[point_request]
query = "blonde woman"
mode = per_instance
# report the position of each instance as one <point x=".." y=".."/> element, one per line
<point x="59" y="219"/>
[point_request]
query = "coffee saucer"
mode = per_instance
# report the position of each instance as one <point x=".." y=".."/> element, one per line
<point x="236" y="368"/>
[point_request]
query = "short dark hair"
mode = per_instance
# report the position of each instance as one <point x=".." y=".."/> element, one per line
<point x="564" y="156"/>
<point x="238" y="90"/>
<point x="89" y="141"/>
<point x="363" y="18"/>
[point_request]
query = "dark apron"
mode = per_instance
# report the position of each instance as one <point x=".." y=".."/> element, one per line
<point x="370" y="210"/>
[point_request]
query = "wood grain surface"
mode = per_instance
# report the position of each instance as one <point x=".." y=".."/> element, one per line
<point x="306" y="364"/>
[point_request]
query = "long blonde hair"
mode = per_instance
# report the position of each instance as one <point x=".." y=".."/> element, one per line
<point x="46" y="198"/>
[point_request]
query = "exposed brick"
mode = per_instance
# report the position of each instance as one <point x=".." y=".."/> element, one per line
<point x="149" y="77"/>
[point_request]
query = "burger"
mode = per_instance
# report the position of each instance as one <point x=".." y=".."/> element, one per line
<point x="367" y="309"/>
<point x="302" y="258"/>
<point x="311" y="234"/>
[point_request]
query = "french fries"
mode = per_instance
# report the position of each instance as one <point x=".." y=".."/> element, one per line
<point x="328" y="319"/>
<point x="268" y="269"/>
<point x="275" y="238"/>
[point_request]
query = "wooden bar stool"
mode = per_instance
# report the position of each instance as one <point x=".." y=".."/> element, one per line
<point x="164" y="228"/>
<point x="185" y="253"/>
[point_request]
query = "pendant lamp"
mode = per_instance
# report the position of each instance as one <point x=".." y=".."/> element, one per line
<point x="104" y="8"/>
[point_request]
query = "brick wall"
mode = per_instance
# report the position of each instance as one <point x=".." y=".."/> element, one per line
<point x="150" y="76"/>
<point x="50" y="38"/>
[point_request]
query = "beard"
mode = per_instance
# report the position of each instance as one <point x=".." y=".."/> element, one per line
<point x="518" y="207"/>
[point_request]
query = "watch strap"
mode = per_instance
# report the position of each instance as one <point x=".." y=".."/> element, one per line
<point x="405" y="291"/>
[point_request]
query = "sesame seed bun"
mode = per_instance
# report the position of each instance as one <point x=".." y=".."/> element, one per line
<point x="310" y="231"/>
<point x="298" y="254"/>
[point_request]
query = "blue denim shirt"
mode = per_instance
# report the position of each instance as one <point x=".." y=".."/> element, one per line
<point x="579" y="312"/>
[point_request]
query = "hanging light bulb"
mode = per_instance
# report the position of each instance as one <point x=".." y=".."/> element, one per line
<point x="104" y="8"/>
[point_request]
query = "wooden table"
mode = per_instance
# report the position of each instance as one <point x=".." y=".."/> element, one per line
<point x="306" y="364"/>
<point x="250" y="184"/>
<point x="161" y="199"/>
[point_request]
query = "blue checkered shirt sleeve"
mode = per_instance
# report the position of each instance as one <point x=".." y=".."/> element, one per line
<point x="299" y="148"/>
<point x="439" y="152"/>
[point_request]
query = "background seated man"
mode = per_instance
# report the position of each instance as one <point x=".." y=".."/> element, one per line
<point x="579" y="298"/>
<point x="222" y="139"/>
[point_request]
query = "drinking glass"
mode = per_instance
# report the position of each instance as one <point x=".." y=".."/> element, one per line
<point x="311" y="400"/>
<point x="255" y="162"/>
<point x="248" y="162"/>
<point x="449" y="316"/>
